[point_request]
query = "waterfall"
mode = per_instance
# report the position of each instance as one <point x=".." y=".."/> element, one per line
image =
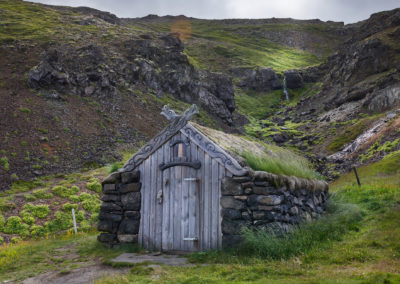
<point x="285" y="91"/>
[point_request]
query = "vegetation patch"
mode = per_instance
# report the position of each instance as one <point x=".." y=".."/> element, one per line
<point x="42" y="193"/>
<point x="350" y="133"/>
<point x="64" y="192"/>
<point x="40" y="211"/>
<point x="16" y="226"/>
<point x="283" y="163"/>
<point x="94" y="185"/>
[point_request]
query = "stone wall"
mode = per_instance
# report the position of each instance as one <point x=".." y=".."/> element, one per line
<point x="264" y="200"/>
<point x="119" y="216"/>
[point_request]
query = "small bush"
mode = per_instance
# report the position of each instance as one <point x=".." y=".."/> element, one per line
<point x="27" y="217"/>
<point x="37" y="231"/>
<point x="4" y="162"/>
<point x="92" y="206"/>
<point x="29" y="197"/>
<point x="2" y="222"/>
<point x="1" y="240"/>
<point x="16" y="240"/>
<point x="15" y="226"/>
<point x="61" y="221"/>
<point x="62" y="191"/>
<point x="90" y="203"/>
<point x="40" y="211"/>
<point x="115" y="167"/>
<point x="42" y="194"/>
<point x="94" y="185"/>
<point x="80" y="216"/>
<point x="74" y="198"/>
<point x="67" y="207"/>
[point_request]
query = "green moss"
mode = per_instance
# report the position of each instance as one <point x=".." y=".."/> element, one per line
<point x="67" y="207"/>
<point x="29" y="197"/>
<point x="40" y="211"/>
<point x="2" y="222"/>
<point x="61" y="221"/>
<point x="4" y="162"/>
<point x="257" y="105"/>
<point x="42" y="194"/>
<point x="27" y="217"/>
<point x="350" y="133"/>
<point x="37" y="231"/>
<point x="63" y="191"/>
<point x="74" y="198"/>
<point x="94" y="185"/>
<point x="387" y="147"/>
<point x="24" y="110"/>
<point x="15" y="226"/>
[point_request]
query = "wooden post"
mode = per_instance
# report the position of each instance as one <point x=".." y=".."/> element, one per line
<point x="355" y="172"/>
<point x="74" y="220"/>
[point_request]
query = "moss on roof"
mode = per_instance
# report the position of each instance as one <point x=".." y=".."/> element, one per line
<point x="261" y="156"/>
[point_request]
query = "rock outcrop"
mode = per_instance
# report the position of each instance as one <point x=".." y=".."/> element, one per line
<point x="261" y="79"/>
<point x="156" y="63"/>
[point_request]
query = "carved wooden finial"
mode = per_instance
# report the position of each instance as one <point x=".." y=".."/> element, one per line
<point x="170" y="114"/>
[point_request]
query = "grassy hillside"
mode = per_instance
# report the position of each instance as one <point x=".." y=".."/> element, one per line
<point x="219" y="45"/>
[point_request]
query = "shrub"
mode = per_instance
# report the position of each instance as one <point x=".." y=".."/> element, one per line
<point x="40" y="211"/>
<point x="275" y="245"/>
<point x="37" y="231"/>
<point x="62" y="191"/>
<point x="27" y="217"/>
<point x="115" y="167"/>
<point x="61" y="221"/>
<point x="16" y="240"/>
<point x="1" y="240"/>
<point x="94" y="218"/>
<point x="42" y="194"/>
<point x="29" y="197"/>
<point x="74" y="198"/>
<point x="2" y="221"/>
<point x="92" y="206"/>
<point x="4" y="162"/>
<point x="15" y="226"/>
<point x="90" y="203"/>
<point x="94" y="185"/>
<point x="80" y="216"/>
<point x="67" y="207"/>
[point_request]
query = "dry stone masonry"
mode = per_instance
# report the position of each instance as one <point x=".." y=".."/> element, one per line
<point x="266" y="201"/>
<point x="119" y="216"/>
<point x="259" y="200"/>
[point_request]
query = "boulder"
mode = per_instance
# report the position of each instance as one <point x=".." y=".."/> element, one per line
<point x="294" y="79"/>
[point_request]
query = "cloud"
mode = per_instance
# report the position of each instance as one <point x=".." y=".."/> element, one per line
<point x="348" y="11"/>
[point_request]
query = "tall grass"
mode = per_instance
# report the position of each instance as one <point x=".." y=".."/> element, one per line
<point x="284" y="162"/>
<point x="274" y="245"/>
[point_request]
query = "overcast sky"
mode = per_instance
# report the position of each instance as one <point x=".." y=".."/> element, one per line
<point x="348" y="11"/>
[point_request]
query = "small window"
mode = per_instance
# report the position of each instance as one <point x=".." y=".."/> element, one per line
<point x="179" y="150"/>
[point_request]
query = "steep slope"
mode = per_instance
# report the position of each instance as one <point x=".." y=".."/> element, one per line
<point x="77" y="85"/>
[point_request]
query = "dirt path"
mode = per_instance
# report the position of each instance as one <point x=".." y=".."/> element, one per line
<point x="77" y="276"/>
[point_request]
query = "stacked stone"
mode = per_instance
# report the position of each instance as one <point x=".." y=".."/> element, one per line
<point x="119" y="216"/>
<point x="266" y="201"/>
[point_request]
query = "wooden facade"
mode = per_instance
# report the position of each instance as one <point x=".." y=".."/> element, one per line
<point x="180" y="208"/>
<point x="181" y="171"/>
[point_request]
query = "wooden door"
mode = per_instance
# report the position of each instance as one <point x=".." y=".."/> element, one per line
<point x="180" y="224"/>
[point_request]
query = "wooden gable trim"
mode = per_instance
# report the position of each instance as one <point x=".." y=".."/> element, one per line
<point x="154" y="144"/>
<point x="213" y="150"/>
